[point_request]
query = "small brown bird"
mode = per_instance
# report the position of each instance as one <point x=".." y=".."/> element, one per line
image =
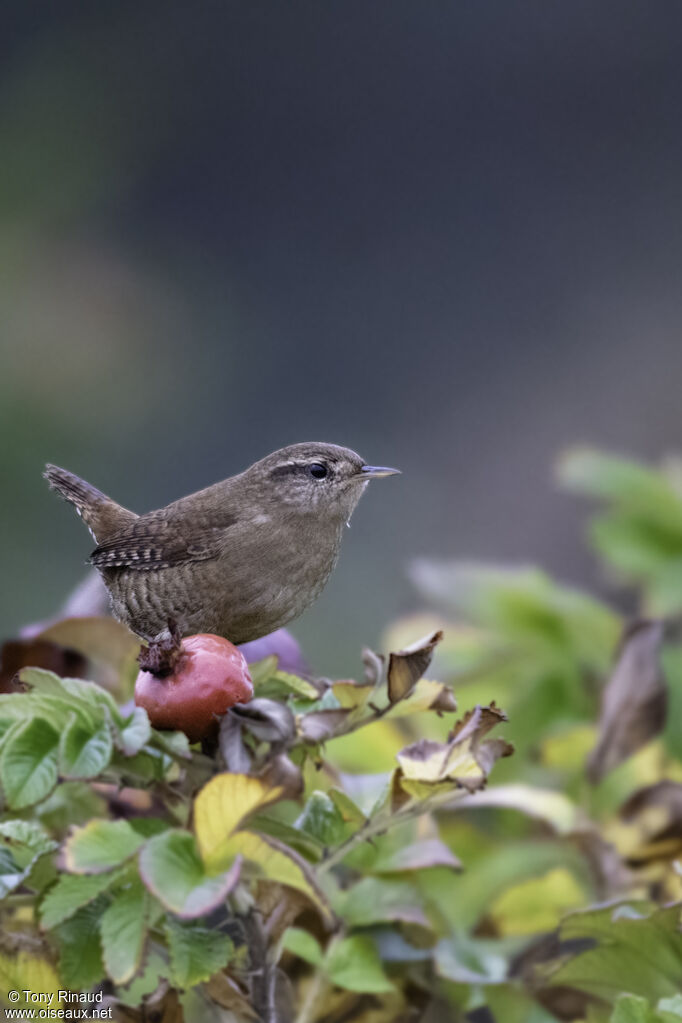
<point x="238" y="559"/>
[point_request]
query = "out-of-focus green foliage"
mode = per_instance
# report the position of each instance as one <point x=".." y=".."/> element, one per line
<point x="381" y="849"/>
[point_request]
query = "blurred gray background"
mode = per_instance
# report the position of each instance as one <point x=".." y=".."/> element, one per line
<point x="446" y="234"/>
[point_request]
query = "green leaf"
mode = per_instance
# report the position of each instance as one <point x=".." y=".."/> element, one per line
<point x="26" y="842"/>
<point x="176" y="744"/>
<point x="27" y="833"/>
<point x="322" y="820"/>
<point x="466" y="960"/>
<point x="80" y="958"/>
<point x="281" y="684"/>
<point x="68" y="695"/>
<point x="624" y="482"/>
<point x="99" y="846"/>
<point x="154" y="970"/>
<point x="122" y="928"/>
<point x="302" y="944"/>
<point x="70" y="893"/>
<point x="632" y="1009"/>
<point x="172" y="870"/>
<point x="633" y="941"/>
<point x="196" y="953"/>
<point x="373" y="900"/>
<point x="84" y="753"/>
<point x="134" y="733"/>
<point x="70" y="804"/>
<point x="416" y="856"/>
<point x="28" y="764"/>
<point x="354" y="964"/>
<point x="11" y="874"/>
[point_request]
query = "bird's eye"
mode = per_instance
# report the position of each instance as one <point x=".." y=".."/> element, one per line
<point x="317" y="470"/>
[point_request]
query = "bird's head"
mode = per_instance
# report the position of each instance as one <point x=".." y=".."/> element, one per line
<point x="316" y="478"/>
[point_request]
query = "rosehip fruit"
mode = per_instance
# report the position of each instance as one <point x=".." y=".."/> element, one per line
<point x="210" y="675"/>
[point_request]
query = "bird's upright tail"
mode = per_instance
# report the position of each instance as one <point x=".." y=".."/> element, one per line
<point x="101" y="515"/>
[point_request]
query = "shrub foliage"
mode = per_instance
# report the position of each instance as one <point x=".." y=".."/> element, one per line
<point x="363" y="849"/>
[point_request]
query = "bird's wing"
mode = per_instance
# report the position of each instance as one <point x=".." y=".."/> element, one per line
<point x="154" y="541"/>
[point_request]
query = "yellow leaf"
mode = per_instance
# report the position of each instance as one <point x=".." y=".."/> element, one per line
<point x="275" y="862"/>
<point x="425" y="694"/>
<point x="28" y="971"/>
<point x="431" y="761"/>
<point x="220" y="808"/>
<point x="537" y="905"/>
<point x="351" y="694"/>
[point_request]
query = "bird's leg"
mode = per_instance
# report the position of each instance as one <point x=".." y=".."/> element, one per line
<point x="163" y="652"/>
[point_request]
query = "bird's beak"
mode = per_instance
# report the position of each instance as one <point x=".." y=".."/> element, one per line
<point x="369" y="472"/>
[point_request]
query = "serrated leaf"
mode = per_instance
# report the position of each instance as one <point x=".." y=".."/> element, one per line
<point x="196" y="953"/>
<point x="122" y="929"/>
<point x="84" y="753"/>
<point x="432" y="770"/>
<point x="172" y="870"/>
<point x="70" y="694"/>
<point x="28" y="763"/>
<point x="155" y="969"/>
<point x="25" y="842"/>
<point x="354" y="964"/>
<point x="632" y="940"/>
<point x="69" y="894"/>
<point x="99" y="846"/>
<point x="80" y="951"/>
<point x="134" y="732"/>
<point x="220" y="808"/>
<point x="27" y="833"/>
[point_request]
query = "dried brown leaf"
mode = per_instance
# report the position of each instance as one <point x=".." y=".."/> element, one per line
<point x="16" y="654"/>
<point x="406" y="667"/>
<point x="634" y="700"/>
<point x="321" y="725"/>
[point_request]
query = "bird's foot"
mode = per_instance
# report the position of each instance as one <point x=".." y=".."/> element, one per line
<point x="163" y="653"/>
